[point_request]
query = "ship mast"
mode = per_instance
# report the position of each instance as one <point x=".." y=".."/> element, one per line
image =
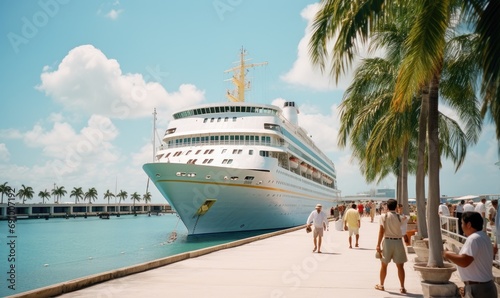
<point x="239" y="80"/>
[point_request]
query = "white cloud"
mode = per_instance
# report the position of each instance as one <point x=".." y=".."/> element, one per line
<point x="113" y="14"/>
<point x="323" y="127"/>
<point x="303" y="73"/>
<point x="87" y="82"/>
<point x="4" y="153"/>
<point x="72" y="152"/>
<point x="10" y="133"/>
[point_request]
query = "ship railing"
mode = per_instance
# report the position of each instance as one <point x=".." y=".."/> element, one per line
<point x="272" y="142"/>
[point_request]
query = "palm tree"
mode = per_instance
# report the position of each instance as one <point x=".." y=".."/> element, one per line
<point x="77" y="192"/>
<point x="91" y="195"/>
<point x="122" y="195"/>
<point x="44" y="194"/>
<point x="5" y="189"/>
<point x="147" y="197"/>
<point x="58" y="192"/>
<point x="108" y="195"/>
<point x="135" y="197"/>
<point x="25" y="193"/>
<point x="484" y="14"/>
<point x="421" y="66"/>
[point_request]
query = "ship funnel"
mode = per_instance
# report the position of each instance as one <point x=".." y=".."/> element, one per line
<point x="290" y="112"/>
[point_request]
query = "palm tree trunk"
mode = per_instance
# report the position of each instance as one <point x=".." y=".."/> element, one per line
<point x="404" y="179"/>
<point x="434" y="224"/>
<point x="398" y="186"/>
<point x="420" y="175"/>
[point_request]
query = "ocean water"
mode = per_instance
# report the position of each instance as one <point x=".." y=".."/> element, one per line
<point x="57" y="250"/>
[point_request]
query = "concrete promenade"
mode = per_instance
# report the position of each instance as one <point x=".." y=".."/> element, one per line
<point x="278" y="266"/>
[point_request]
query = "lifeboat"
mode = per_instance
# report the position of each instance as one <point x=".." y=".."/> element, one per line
<point x="316" y="174"/>
<point x="327" y="179"/>
<point x="303" y="167"/>
<point x="294" y="162"/>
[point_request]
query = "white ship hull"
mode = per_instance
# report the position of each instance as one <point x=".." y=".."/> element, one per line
<point x="229" y="167"/>
<point x="272" y="200"/>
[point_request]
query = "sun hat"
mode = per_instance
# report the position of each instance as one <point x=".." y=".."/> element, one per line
<point x="318" y="206"/>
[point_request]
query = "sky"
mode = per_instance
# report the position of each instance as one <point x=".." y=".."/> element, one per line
<point x="81" y="79"/>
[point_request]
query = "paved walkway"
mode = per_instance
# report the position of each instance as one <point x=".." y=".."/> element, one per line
<point x="278" y="266"/>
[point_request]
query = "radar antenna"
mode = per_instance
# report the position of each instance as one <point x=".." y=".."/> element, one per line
<point x="239" y="80"/>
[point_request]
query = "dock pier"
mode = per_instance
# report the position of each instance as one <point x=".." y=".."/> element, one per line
<point x="67" y="210"/>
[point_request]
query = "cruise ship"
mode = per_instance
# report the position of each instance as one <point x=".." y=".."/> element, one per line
<point x="238" y="166"/>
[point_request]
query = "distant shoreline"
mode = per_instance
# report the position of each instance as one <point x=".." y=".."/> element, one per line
<point x="14" y="211"/>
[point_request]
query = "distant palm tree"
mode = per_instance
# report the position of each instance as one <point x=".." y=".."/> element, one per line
<point x="44" y="194"/>
<point x="135" y="197"/>
<point x="25" y="193"/>
<point x="108" y="195"/>
<point x="5" y="189"/>
<point x="147" y="197"/>
<point x="91" y="195"/>
<point x="77" y="192"/>
<point x="122" y="195"/>
<point x="58" y="192"/>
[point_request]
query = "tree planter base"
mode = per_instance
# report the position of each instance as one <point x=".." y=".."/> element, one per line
<point x="435" y="275"/>
<point x="439" y="290"/>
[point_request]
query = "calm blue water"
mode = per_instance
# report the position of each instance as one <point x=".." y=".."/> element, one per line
<point x="56" y="250"/>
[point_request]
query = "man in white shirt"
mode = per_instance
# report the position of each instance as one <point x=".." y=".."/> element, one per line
<point x="481" y="209"/>
<point x="475" y="259"/>
<point x="319" y="221"/>
<point x="469" y="206"/>
<point x="443" y="211"/>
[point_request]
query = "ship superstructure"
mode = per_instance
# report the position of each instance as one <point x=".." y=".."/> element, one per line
<point x="239" y="166"/>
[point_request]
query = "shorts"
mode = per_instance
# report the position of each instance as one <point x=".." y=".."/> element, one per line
<point x="318" y="231"/>
<point x="394" y="250"/>
<point x="354" y="231"/>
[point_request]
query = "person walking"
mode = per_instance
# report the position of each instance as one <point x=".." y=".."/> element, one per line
<point x="481" y="209"/>
<point x="444" y="211"/>
<point x="393" y="247"/>
<point x="361" y="209"/>
<point x="372" y="210"/>
<point x="469" y="206"/>
<point x="352" y="223"/>
<point x="319" y="220"/>
<point x="492" y="214"/>
<point x="475" y="259"/>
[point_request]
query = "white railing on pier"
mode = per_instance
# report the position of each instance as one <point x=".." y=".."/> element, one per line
<point x="449" y="227"/>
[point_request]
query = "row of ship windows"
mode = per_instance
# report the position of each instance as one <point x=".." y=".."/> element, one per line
<point x="223" y="138"/>
<point x="225" y="109"/>
<point x="270" y="126"/>
<point x="263" y="153"/>
<point x="226" y="119"/>
<point x="209" y="161"/>
<point x="233" y="178"/>
<point x="208" y="151"/>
